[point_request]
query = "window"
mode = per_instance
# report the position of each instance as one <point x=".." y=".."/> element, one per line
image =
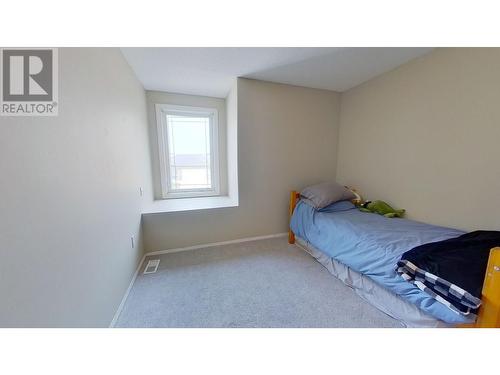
<point x="188" y="150"/>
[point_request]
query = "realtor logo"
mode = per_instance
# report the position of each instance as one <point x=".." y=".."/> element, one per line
<point x="29" y="85"/>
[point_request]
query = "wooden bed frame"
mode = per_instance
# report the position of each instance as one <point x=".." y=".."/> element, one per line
<point x="489" y="312"/>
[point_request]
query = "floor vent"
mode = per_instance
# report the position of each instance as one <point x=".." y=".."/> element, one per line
<point x="152" y="266"/>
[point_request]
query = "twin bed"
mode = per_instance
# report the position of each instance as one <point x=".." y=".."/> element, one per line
<point x="362" y="250"/>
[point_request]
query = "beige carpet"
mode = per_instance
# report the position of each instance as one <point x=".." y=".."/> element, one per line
<point x="265" y="283"/>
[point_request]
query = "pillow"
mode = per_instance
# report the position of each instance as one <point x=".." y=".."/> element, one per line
<point x="326" y="193"/>
<point x="339" y="206"/>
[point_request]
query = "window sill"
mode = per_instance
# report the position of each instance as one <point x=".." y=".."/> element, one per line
<point x="190" y="204"/>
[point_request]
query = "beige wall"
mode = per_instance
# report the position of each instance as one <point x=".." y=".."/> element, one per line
<point x="286" y="140"/>
<point x="70" y="201"/>
<point x="425" y="137"/>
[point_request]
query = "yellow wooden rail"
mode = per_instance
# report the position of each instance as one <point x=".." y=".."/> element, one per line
<point x="489" y="312"/>
<point x="294" y="197"/>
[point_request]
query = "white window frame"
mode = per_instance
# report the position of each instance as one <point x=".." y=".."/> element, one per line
<point x="162" y="110"/>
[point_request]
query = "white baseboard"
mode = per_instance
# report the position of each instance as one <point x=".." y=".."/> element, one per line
<point x="124" y="299"/>
<point x="127" y="292"/>
<point x="216" y="244"/>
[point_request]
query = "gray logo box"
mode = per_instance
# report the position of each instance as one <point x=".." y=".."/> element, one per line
<point x="29" y="82"/>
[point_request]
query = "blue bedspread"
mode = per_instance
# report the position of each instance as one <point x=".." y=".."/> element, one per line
<point x="372" y="245"/>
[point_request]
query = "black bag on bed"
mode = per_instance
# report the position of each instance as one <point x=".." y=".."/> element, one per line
<point x="452" y="269"/>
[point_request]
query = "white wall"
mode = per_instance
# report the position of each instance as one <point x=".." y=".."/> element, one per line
<point x="425" y="137"/>
<point x="232" y="142"/>
<point x="69" y="188"/>
<point x="287" y="139"/>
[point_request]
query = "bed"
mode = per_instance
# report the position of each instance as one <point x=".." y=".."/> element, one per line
<point x="362" y="250"/>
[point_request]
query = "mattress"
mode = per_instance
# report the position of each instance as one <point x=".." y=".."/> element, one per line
<point x="371" y="245"/>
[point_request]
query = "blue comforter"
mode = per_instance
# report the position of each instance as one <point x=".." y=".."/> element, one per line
<point x="372" y="245"/>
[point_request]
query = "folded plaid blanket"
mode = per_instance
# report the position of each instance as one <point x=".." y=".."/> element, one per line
<point x="451" y="271"/>
<point x="451" y="295"/>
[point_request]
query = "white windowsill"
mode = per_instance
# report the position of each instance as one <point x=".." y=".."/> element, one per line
<point x="190" y="204"/>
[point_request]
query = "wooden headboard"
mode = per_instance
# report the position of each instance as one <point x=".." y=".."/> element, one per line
<point x="294" y="197"/>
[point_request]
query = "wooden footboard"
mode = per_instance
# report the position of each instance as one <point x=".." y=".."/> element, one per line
<point x="489" y="313"/>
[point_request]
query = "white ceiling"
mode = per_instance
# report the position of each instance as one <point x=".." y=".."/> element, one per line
<point x="212" y="71"/>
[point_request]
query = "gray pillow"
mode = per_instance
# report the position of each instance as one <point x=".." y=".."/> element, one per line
<point x="326" y="193"/>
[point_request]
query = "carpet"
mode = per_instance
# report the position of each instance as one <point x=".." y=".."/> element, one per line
<point x="264" y="283"/>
